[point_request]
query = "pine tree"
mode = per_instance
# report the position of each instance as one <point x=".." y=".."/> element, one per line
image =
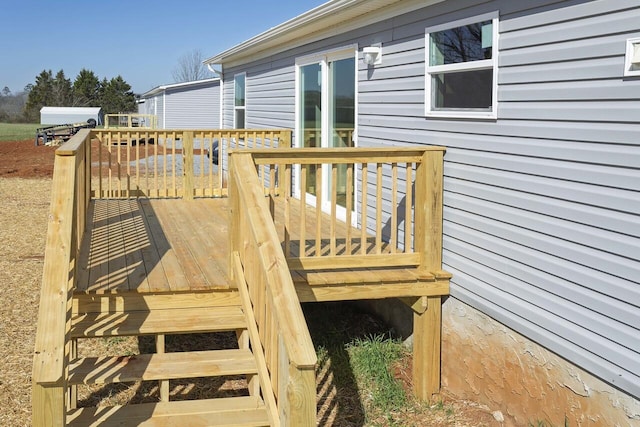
<point x="116" y="96"/>
<point x="86" y="89"/>
<point x="41" y="94"/>
<point x="61" y="90"/>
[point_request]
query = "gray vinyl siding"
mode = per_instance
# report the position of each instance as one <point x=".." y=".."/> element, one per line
<point x="542" y="205"/>
<point x="160" y="110"/>
<point x="193" y="107"/>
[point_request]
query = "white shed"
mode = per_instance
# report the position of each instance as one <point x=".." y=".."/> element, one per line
<point x="65" y="115"/>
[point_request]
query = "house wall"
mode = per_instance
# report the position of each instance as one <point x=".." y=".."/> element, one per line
<point x="193" y="107"/>
<point x="542" y="205"/>
<point x="159" y="110"/>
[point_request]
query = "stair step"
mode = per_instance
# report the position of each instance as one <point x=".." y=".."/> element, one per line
<point x="232" y="411"/>
<point x="168" y="321"/>
<point x="161" y="366"/>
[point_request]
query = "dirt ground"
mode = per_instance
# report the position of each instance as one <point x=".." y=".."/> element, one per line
<point x="25" y="186"/>
<point x="23" y="159"/>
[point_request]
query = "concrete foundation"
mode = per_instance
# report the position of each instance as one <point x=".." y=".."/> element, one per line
<point x="484" y="361"/>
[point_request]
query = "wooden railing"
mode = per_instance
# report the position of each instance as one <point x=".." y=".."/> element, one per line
<point x="260" y="271"/>
<point x="389" y="200"/>
<point x="171" y="163"/>
<point x="69" y="203"/>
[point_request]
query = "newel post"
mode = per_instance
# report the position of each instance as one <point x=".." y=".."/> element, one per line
<point x="427" y="324"/>
<point x="187" y="155"/>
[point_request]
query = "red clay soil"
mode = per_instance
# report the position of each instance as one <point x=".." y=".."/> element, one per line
<point x="22" y="159"/>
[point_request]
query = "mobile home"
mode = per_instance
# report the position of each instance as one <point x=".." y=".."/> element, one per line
<point x="537" y="103"/>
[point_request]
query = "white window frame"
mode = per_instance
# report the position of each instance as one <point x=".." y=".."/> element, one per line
<point x="243" y="107"/>
<point x="463" y="66"/>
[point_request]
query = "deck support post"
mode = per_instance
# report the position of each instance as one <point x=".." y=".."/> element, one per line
<point x="427" y="327"/>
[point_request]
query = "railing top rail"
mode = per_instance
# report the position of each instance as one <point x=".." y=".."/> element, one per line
<point x="339" y="155"/>
<point x="74" y="144"/>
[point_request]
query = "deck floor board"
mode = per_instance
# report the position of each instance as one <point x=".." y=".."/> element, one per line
<point x="146" y="245"/>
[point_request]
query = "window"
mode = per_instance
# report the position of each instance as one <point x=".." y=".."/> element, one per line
<point x="239" y="102"/>
<point x="461" y="68"/>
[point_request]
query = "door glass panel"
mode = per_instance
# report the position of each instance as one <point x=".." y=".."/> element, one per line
<point x="311" y="114"/>
<point x="342" y="102"/>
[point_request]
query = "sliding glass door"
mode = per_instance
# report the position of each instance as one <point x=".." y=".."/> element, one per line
<point x="326" y="102"/>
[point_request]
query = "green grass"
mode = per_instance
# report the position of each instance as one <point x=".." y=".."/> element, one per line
<point x="357" y="357"/>
<point x="372" y="359"/>
<point x="17" y="131"/>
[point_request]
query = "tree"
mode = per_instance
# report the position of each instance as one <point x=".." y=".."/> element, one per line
<point x="6" y="91"/>
<point x="116" y="96"/>
<point x="190" y="67"/>
<point x="61" y="90"/>
<point x="86" y="89"/>
<point x="41" y="94"/>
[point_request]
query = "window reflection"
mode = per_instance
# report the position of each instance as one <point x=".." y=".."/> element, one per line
<point x="462" y="44"/>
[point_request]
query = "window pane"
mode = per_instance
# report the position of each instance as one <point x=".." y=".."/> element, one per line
<point x="239" y="90"/>
<point x="311" y="115"/>
<point x="463" y="90"/>
<point x="461" y="44"/>
<point x="239" y="118"/>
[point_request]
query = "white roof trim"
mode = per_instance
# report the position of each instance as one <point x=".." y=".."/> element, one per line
<point x="159" y="89"/>
<point x="326" y="20"/>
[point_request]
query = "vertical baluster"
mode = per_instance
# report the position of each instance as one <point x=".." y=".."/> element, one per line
<point x="164" y="166"/>
<point x="173" y="164"/>
<point x="136" y="166"/>
<point x="303" y="210"/>
<point x="287" y="209"/>
<point x="101" y="142"/>
<point x="210" y="162"/>
<point x="408" y="217"/>
<point x="119" y="165"/>
<point x="349" y="206"/>
<point x="155" y="168"/>
<point x="365" y="189"/>
<point x="318" y="186"/>
<point x="146" y="169"/>
<point x="379" y="208"/>
<point x="334" y="202"/>
<point x="272" y="190"/>
<point x="394" y="208"/>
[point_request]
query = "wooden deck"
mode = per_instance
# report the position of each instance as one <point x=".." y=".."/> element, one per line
<point x="135" y="254"/>
<point x="155" y="246"/>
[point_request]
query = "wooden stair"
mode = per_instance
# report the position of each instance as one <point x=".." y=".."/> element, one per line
<point x="229" y="411"/>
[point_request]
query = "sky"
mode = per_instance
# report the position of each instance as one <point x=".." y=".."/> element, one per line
<point x="140" y="40"/>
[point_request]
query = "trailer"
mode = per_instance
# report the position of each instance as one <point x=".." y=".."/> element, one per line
<point x="53" y="135"/>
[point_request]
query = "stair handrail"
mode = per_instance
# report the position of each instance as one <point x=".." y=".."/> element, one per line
<point x="70" y="196"/>
<point x="284" y="336"/>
